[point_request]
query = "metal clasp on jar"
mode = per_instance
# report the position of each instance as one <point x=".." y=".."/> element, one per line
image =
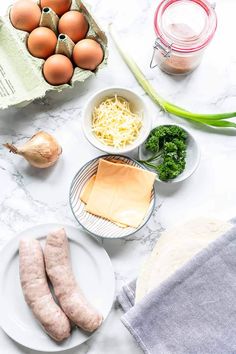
<point x="165" y="51"/>
<point x="213" y="5"/>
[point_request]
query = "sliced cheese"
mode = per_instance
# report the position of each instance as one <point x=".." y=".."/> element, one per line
<point x="90" y="183"/>
<point x="84" y="196"/>
<point x="121" y="193"/>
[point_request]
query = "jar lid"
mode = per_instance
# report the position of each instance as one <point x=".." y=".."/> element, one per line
<point x="185" y="25"/>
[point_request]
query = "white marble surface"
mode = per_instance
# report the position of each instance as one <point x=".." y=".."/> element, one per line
<point x="29" y="196"/>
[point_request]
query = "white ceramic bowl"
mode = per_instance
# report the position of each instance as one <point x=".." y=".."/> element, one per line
<point x="137" y="105"/>
<point x="192" y="158"/>
<point x="93" y="224"/>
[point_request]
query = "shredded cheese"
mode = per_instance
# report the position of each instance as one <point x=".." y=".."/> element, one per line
<point x="114" y="124"/>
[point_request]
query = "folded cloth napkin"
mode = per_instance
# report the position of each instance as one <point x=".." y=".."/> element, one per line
<point x="194" y="310"/>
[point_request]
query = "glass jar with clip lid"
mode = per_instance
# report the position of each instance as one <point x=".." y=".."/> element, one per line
<point x="184" y="29"/>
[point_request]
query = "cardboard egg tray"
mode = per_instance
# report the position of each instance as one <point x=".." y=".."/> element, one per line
<point x="21" y="78"/>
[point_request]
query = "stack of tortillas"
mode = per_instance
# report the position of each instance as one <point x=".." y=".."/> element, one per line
<point x="174" y="249"/>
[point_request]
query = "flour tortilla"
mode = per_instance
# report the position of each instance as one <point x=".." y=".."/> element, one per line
<point x="176" y="247"/>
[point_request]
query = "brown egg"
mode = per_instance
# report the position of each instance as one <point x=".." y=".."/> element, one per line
<point x="74" y="24"/>
<point x="42" y="42"/>
<point x="58" y="6"/>
<point x="25" y="15"/>
<point x="88" y="54"/>
<point x="58" y="69"/>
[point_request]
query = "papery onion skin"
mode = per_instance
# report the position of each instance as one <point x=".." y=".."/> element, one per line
<point x="41" y="151"/>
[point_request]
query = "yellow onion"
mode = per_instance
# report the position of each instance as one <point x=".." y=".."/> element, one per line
<point x="42" y="150"/>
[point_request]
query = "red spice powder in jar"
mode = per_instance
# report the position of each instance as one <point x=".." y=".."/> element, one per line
<point x="184" y="29"/>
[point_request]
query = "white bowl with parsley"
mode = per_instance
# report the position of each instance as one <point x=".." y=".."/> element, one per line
<point x="172" y="152"/>
<point x="116" y="120"/>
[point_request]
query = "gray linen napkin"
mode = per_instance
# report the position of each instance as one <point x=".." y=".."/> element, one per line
<point x="194" y="310"/>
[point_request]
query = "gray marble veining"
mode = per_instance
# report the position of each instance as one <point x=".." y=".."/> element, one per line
<point x="29" y="196"/>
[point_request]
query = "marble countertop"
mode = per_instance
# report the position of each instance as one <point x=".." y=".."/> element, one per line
<point x="29" y="196"/>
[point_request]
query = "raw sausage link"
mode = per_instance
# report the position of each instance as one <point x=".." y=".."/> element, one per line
<point x="70" y="296"/>
<point x="37" y="293"/>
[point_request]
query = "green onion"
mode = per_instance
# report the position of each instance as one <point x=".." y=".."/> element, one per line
<point x="215" y="120"/>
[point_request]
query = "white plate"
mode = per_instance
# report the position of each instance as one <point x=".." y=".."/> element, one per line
<point x="92" y="268"/>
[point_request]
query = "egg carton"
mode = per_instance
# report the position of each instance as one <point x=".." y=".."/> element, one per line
<point x="21" y="78"/>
